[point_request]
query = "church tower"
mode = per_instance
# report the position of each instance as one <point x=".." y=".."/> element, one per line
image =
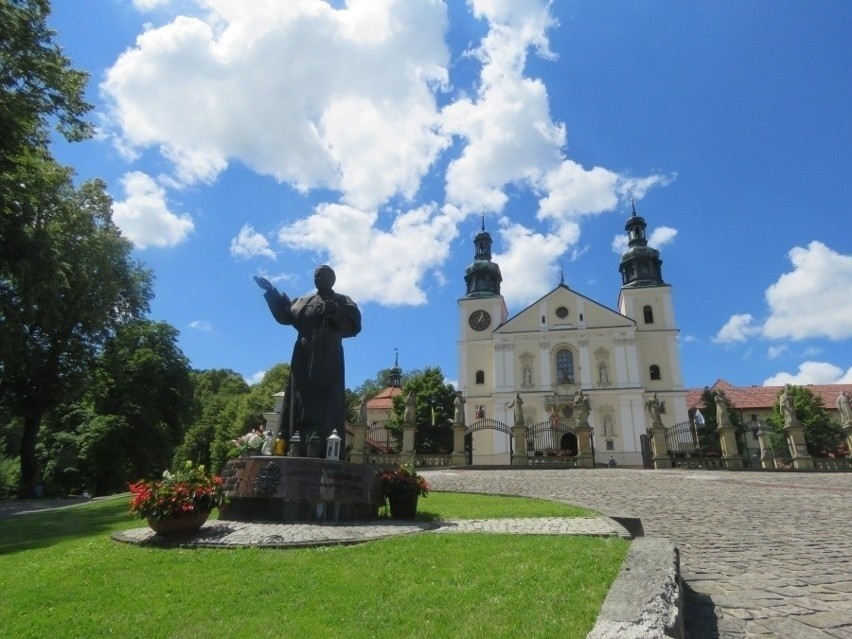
<point x="481" y="310"/>
<point x="647" y="300"/>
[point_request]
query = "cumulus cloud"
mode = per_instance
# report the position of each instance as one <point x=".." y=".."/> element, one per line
<point x="738" y="329"/>
<point x="249" y="243"/>
<point x="201" y="325"/>
<point x="373" y="264"/>
<point x="811" y="301"/>
<point x="343" y="97"/>
<point x="313" y="95"/>
<point x="144" y="216"/>
<point x="812" y="373"/>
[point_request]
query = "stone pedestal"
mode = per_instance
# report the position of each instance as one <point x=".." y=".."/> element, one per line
<point x="358" y="454"/>
<point x="519" y="456"/>
<point x="766" y="460"/>
<point x="585" y="459"/>
<point x="299" y="489"/>
<point x="660" y="454"/>
<point x="730" y="454"/>
<point x="798" y="448"/>
<point x="458" y="456"/>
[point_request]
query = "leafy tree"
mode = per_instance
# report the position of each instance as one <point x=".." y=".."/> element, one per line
<point x="66" y="277"/>
<point x="245" y="412"/>
<point x="822" y="435"/>
<point x="433" y="409"/>
<point x="143" y="376"/>
<point x="215" y="410"/>
<point x="61" y="302"/>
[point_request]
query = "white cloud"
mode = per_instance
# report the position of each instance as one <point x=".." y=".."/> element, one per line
<point x="738" y="329"/>
<point x="813" y="300"/>
<point x="372" y="264"/>
<point x="201" y="325"/>
<point x="249" y="243"/>
<point x="149" y="5"/>
<point x="144" y="216"/>
<point x="776" y="351"/>
<point x="312" y="95"/>
<point x="812" y="373"/>
<point x="257" y="378"/>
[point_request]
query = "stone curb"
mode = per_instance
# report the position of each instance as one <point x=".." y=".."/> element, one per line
<point x="646" y="600"/>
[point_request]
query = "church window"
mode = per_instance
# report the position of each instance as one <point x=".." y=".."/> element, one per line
<point x="610" y="445"/>
<point x="561" y="312"/>
<point x="480" y="377"/>
<point x="648" y="312"/>
<point x="564" y="367"/>
<point x="654" y="371"/>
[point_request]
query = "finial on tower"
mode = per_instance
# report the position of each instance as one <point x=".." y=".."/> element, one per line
<point x="483" y="221"/>
<point x="633" y="205"/>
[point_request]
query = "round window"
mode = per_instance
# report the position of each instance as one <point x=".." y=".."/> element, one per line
<point x="561" y="312"/>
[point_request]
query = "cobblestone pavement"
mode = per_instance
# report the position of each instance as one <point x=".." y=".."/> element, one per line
<point x="762" y="554"/>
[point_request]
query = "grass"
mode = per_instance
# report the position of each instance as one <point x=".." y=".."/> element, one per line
<point x="61" y="576"/>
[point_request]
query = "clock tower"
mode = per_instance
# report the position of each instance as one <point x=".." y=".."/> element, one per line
<point x="481" y="310"/>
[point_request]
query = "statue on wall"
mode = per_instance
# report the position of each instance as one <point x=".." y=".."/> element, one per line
<point x="654" y="408"/>
<point x="458" y="413"/>
<point x="315" y="398"/>
<point x="582" y="407"/>
<point x="408" y="416"/>
<point x="603" y="375"/>
<point x="844" y="407"/>
<point x="518" y="405"/>
<point x="723" y="419"/>
<point x="787" y="406"/>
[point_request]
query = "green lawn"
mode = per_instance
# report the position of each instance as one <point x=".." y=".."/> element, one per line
<point x="62" y="576"/>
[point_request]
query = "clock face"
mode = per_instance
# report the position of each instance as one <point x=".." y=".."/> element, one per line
<point x="479" y="320"/>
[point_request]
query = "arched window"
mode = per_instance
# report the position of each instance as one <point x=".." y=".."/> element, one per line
<point x="564" y="367"/>
<point x="480" y="377"/>
<point x="654" y="370"/>
<point x="648" y="312"/>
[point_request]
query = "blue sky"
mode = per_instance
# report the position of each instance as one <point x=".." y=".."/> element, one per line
<point x="265" y="137"/>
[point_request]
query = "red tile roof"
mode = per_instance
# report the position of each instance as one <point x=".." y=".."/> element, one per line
<point x="764" y="397"/>
<point x="384" y="399"/>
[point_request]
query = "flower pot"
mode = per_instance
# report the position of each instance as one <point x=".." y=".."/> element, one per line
<point x="179" y="524"/>
<point x="403" y="506"/>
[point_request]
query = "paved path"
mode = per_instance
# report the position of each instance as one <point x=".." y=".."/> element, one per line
<point x="763" y="554"/>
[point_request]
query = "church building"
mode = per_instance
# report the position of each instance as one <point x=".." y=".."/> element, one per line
<point x="564" y="343"/>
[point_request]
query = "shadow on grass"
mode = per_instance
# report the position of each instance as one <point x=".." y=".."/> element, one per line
<point x="40" y="530"/>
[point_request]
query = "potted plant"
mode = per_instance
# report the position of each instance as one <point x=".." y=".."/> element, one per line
<point x="402" y="487"/>
<point x="247" y="444"/>
<point x="180" y="502"/>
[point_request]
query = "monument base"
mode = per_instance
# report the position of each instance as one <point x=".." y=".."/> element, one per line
<point x="299" y="489"/>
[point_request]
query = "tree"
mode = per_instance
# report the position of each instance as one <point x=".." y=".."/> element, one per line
<point x="66" y="277"/>
<point x="821" y="434"/>
<point x="60" y="303"/>
<point x="433" y="409"/>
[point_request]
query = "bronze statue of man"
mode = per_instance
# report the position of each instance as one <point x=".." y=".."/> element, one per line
<point x="315" y="401"/>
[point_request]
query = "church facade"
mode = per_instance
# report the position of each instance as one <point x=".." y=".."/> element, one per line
<point x="565" y="343"/>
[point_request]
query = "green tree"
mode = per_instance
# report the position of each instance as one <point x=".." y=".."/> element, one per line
<point x="143" y="376"/>
<point x="215" y="410"/>
<point x="822" y="435"/>
<point x="433" y="409"/>
<point x="76" y="285"/>
<point x="66" y="277"/>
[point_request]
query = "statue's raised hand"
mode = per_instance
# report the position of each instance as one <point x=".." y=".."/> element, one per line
<point x="263" y="283"/>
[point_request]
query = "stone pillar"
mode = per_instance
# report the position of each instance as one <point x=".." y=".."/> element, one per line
<point x="585" y="459"/>
<point x="728" y="440"/>
<point x="519" y="456"/>
<point x="847" y="430"/>
<point x="409" y="426"/>
<point x="798" y="448"/>
<point x="660" y="454"/>
<point x="359" y="437"/>
<point x="458" y="457"/>
<point x="273" y="422"/>
<point x="766" y="460"/>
